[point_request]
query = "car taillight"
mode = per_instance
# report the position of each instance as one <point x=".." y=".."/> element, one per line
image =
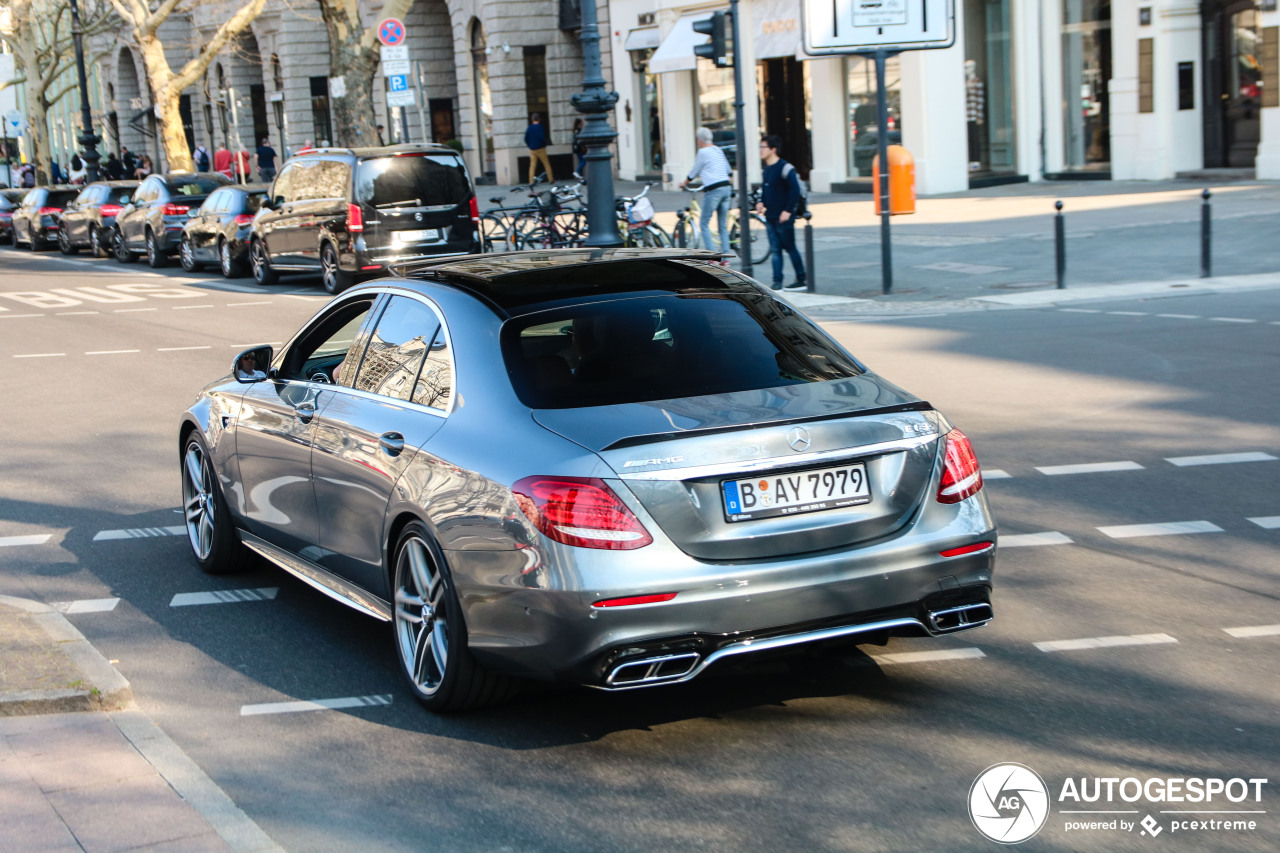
<point x="580" y="511"/>
<point x="110" y="209"/>
<point x="49" y="211"/>
<point x="244" y="218"/>
<point x="962" y="477"/>
<point x="355" y="218"/>
<point x="475" y="210"/>
<point x="176" y="209"/>
<point x="6" y="216"/>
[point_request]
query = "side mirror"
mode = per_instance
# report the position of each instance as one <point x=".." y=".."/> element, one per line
<point x="253" y="365"/>
<point x="268" y="203"/>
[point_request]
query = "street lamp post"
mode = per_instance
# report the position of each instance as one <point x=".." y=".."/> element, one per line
<point x="88" y="139"/>
<point x="594" y="102"/>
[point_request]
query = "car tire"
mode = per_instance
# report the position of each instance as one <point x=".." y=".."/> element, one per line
<point x="64" y="243"/>
<point x="95" y="243"/>
<point x="121" y="251"/>
<point x="155" y="257"/>
<point x="430" y="635"/>
<point x="334" y="279"/>
<point x="34" y="244"/>
<point x="212" y="535"/>
<point x="232" y="267"/>
<point x="187" y="256"/>
<point x="263" y="274"/>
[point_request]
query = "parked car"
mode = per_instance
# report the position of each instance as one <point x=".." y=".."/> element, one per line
<point x="151" y="223"/>
<point x="659" y="466"/>
<point x="35" y="221"/>
<point x="9" y="201"/>
<point x="91" y="214"/>
<point x="218" y="232"/>
<point x="349" y="213"/>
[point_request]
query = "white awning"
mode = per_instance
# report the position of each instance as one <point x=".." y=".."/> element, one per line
<point x="676" y="51"/>
<point x="777" y="25"/>
<point x="645" y="38"/>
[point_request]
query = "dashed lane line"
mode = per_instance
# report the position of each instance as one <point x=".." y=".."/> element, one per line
<point x="112" y="351"/>
<point x="316" y="705"/>
<point x="1104" y="642"/>
<point x="1254" y="631"/>
<point x="996" y="474"/>
<point x="1081" y="310"/>
<point x="86" y="605"/>
<point x="1231" y="320"/>
<point x="1168" y="528"/>
<point x="223" y="596"/>
<point x="18" y="316"/>
<point x="1130" y="313"/>
<point x="180" y="349"/>
<point x="1267" y="522"/>
<point x="1028" y="540"/>
<point x="1220" y="459"/>
<point x="1089" y="468"/>
<point x="189" y="307"/>
<point x="132" y="310"/>
<point x="241" y="304"/>
<point x="33" y="539"/>
<point x="139" y="533"/>
<point x="1181" y="316"/>
<point x="41" y="355"/>
<point x="75" y="313"/>
<point x="928" y="657"/>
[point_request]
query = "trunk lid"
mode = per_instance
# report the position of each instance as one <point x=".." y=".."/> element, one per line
<point x="415" y="204"/>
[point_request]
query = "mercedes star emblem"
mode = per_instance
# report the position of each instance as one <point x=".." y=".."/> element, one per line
<point x="798" y="438"/>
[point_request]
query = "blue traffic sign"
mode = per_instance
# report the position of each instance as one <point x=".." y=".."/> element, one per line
<point x="398" y="83"/>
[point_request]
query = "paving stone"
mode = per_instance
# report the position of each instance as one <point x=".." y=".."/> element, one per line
<point x="29" y="823"/>
<point x="123" y="815"/>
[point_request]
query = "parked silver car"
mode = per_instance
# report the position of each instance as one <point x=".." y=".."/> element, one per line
<point x="612" y="467"/>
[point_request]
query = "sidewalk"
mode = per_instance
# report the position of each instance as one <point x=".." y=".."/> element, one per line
<point x="80" y="769"/>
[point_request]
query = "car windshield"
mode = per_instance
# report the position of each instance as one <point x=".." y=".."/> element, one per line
<point x="120" y="195"/>
<point x="253" y="201"/>
<point x="60" y="198"/>
<point x="665" y="347"/>
<point x="424" y="180"/>
<point x="195" y="185"/>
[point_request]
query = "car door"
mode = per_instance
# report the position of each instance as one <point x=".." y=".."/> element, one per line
<point x="323" y="208"/>
<point x="23" y="215"/>
<point x="204" y="225"/>
<point x="132" y="222"/>
<point x="276" y="427"/>
<point x="72" y="219"/>
<point x="278" y="226"/>
<point x="368" y="434"/>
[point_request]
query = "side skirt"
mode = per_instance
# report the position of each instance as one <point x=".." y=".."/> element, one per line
<point x="322" y="579"/>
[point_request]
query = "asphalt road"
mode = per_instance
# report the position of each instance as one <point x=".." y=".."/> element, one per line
<point x="873" y="749"/>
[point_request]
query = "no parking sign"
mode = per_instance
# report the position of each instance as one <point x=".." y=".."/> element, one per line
<point x="391" y="31"/>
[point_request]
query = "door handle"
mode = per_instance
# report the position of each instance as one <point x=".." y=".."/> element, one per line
<point x="392" y="443"/>
<point x="305" y="411"/>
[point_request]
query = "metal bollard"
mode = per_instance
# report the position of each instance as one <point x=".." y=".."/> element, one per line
<point x="812" y="271"/>
<point x="682" y="235"/>
<point x="1060" y="245"/>
<point x="1206" y="237"/>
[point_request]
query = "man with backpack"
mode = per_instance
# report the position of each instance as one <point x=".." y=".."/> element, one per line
<point x="782" y="199"/>
<point x="202" y="159"/>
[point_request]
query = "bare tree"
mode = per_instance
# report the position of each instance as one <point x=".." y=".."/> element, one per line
<point x="353" y="58"/>
<point x="39" y="34"/>
<point x="144" y="18"/>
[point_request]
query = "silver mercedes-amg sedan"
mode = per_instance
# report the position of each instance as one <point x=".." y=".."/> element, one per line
<point x="611" y="467"/>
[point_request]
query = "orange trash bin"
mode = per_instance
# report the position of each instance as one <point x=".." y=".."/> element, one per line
<point x="902" y="181"/>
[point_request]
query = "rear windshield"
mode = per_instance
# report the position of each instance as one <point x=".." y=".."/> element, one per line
<point x="413" y="181"/>
<point x="665" y="347"/>
<point x="195" y="185"/>
<point x="60" y="198"/>
<point x="253" y="201"/>
<point x="121" y="195"/>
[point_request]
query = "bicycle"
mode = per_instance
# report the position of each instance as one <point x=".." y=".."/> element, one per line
<point x="636" y="225"/>
<point x="688" y="231"/>
<point x="546" y="223"/>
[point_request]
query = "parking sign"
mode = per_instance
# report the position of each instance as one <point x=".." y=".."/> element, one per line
<point x="398" y="83"/>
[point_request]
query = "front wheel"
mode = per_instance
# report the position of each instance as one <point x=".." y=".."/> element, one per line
<point x="759" y="240"/>
<point x="333" y="277"/>
<point x="64" y="242"/>
<point x="187" y="256"/>
<point x="122" y="253"/>
<point x="156" y="258"/>
<point x="430" y="634"/>
<point x="213" y="537"/>
<point x="263" y="274"/>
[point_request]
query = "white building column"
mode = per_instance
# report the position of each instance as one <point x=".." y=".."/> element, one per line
<point x="829" y="123"/>
<point x="1027" y="21"/>
<point x="1267" y="165"/>
<point x="679" y="125"/>
<point x="933" y="117"/>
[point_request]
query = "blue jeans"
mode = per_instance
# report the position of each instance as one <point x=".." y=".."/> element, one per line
<point x="782" y="237"/>
<point x="715" y="201"/>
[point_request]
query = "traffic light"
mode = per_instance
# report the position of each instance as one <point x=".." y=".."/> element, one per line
<point x="720" y="49"/>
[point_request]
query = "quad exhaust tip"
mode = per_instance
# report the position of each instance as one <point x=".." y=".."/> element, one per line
<point x="653" y="670"/>
<point x="958" y="618"/>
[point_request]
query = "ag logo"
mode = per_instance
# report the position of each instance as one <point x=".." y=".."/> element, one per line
<point x="1008" y="803"/>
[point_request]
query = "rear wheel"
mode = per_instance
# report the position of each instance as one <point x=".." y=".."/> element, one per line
<point x="213" y="537"/>
<point x="121" y="251"/>
<point x="156" y="258"/>
<point x="333" y="277"/>
<point x="430" y="635"/>
<point x="64" y="243"/>
<point x="232" y="267"/>
<point x="262" y="272"/>
<point x="187" y="256"/>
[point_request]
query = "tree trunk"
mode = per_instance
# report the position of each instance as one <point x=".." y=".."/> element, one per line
<point x="38" y="131"/>
<point x="356" y="62"/>
<point x="173" y="141"/>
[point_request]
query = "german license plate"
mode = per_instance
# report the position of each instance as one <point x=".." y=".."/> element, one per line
<point x="418" y="236"/>
<point x="796" y="492"/>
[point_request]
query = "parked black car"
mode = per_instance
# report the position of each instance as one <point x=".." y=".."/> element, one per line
<point x="348" y="213"/>
<point x="35" y="221"/>
<point x="152" y="223"/>
<point x="219" y="231"/>
<point x="91" y="214"/>
<point x="9" y="201"/>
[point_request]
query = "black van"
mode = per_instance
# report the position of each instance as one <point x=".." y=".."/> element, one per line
<point x="349" y="212"/>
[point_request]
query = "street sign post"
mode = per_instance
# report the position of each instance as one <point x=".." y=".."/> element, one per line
<point x="880" y="29"/>
<point x="400" y="98"/>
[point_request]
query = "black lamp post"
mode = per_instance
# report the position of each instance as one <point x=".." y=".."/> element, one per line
<point x="594" y="102"/>
<point x="88" y="139"/>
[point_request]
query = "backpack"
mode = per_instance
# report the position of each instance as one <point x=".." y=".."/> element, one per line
<point x="803" y="204"/>
<point x="202" y="160"/>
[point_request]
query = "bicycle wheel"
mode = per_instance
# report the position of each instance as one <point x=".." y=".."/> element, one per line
<point x="759" y="239"/>
<point x="522" y="227"/>
<point x="660" y="238"/>
<point x="572" y="228"/>
<point x="493" y="233"/>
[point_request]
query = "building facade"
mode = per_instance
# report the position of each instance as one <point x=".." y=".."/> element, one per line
<point x="1031" y="90"/>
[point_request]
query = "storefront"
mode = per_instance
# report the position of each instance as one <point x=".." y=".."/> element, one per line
<point x="988" y="88"/>
<point x="1086" y="74"/>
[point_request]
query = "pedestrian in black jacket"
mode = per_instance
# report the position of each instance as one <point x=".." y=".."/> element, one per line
<point x="113" y="168"/>
<point x="780" y="197"/>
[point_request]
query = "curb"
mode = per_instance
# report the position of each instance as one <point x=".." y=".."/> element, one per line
<point x="106" y="689"/>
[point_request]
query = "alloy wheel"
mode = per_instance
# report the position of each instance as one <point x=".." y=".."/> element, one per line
<point x="422" y="631"/>
<point x="198" y="500"/>
<point x="329" y="269"/>
<point x="224" y="256"/>
<point x="186" y="256"/>
<point x="95" y="244"/>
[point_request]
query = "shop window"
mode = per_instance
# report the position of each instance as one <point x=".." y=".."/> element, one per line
<point x="715" y="106"/>
<point x="1086" y="73"/>
<point x="320" y="111"/>
<point x="988" y="87"/>
<point x="864" y="130"/>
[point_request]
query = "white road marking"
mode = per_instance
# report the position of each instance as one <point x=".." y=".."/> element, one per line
<point x="1231" y="320"/>
<point x="996" y="474"/>
<point x="189" y="307"/>
<point x="297" y="295"/>
<point x="179" y="349"/>
<point x="1170" y="528"/>
<point x="1180" y="316"/>
<point x="238" y="304"/>
<point x="223" y="596"/>
<point x="112" y="351"/>
<point x="1129" y="313"/>
<point x="86" y="605"/>
<point x="1220" y="458"/>
<point x="18" y="316"/>
<point x="1254" y="631"/>
<point x="139" y="533"/>
<point x="33" y="539"/>
<point x="75" y="313"/>
<point x="1089" y="468"/>
<point x="1028" y="540"/>
<point x="928" y="657"/>
<point x="41" y="355"/>
<point x="1267" y="522"/>
<point x="131" y="310"/>
<point x="1081" y="310"/>
<point x="1104" y="642"/>
<point x="315" y="705"/>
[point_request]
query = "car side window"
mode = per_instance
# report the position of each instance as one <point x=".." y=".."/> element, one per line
<point x="397" y="349"/>
<point x="300" y="183"/>
<point x="282" y="189"/>
<point x="210" y="204"/>
<point x="331" y="179"/>
<point x="30" y="199"/>
<point x="329" y="347"/>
